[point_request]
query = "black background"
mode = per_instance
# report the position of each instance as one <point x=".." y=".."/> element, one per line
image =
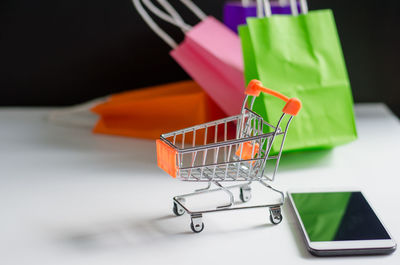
<point x="62" y="52"/>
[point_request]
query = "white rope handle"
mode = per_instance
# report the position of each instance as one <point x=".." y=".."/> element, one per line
<point x="179" y="23"/>
<point x="150" y="22"/>
<point x="260" y="9"/>
<point x="267" y="8"/>
<point x="167" y="6"/>
<point x="173" y="17"/>
<point x="195" y="9"/>
<point x="263" y="6"/>
<point x="303" y="7"/>
<point x="293" y="8"/>
<point x="176" y="19"/>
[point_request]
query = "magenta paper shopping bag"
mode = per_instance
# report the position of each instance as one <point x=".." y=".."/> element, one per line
<point x="210" y="53"/>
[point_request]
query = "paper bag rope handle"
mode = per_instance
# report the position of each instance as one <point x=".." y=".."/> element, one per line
<point x="293" y="105"/>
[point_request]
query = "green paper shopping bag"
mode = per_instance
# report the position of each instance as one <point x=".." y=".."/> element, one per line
<point x="301" y="57"/>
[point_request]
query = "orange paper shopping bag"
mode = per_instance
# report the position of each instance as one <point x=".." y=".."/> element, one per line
<point x="149" y="112"/>
<point x="210" y="53"/>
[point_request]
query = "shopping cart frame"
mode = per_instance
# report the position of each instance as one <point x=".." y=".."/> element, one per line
<point x="249" y="130"/>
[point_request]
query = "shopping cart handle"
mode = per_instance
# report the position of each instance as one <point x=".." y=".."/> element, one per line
<point x="293" y="105"/>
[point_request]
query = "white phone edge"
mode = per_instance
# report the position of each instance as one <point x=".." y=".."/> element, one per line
<point x="340" y="248"/>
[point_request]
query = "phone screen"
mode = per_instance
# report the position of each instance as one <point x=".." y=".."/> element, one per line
<point x="338" y="216"/>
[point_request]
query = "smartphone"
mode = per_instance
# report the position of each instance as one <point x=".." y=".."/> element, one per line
<point x="335" y="223"/>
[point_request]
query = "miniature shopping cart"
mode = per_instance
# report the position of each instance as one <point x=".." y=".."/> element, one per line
<point x="211" y="153"/>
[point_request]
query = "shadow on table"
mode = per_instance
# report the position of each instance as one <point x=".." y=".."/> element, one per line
<point x="305" y="159"/>
<point x="119" y="234"/>
<point x="138" y="234"/>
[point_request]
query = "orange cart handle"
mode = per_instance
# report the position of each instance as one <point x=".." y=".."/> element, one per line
<point x="293" y="105"/>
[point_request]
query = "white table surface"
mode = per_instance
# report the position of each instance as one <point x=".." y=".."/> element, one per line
<point x="71" y="197"/>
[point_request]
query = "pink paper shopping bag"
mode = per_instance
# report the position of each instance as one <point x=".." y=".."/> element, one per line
<point x="210" y="53"/>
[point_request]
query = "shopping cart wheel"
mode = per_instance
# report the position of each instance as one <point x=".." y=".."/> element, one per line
<point x="245" y="194"/>
<point x="275" y="215"/>
<point x="197" y="229"/>
<point x="197" y="224"/>
<point x="177" y="209"/>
